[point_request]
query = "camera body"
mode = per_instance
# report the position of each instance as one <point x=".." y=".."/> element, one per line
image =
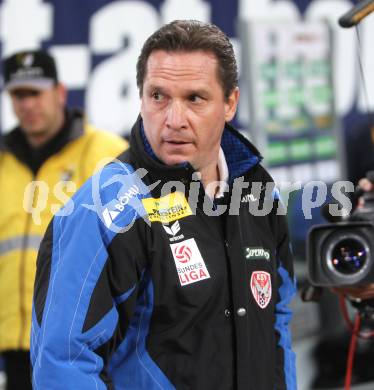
<point x="342" y="253"/>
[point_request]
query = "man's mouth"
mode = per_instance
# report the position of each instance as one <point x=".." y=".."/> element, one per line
<point x="30" y="118"/>
<point x="177" y="142"/>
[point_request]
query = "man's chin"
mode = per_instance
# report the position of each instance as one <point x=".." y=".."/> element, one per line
<point x="36" y="134"/>
<point x="31" y="127"/>
<point x="173" y="161"/>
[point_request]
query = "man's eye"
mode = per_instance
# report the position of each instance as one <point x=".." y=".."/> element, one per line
<point x="156" y="96"/>
<point x="194" y="98"/>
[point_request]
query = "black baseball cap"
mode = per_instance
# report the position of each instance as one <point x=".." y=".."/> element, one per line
<point x="34" y="69"/>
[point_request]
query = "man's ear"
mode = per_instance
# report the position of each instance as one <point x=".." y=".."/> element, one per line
<point x="62" y="94"/>
<point x="231" y="104"/>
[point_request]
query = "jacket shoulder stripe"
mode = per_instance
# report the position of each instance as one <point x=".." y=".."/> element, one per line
<point x="283" y="317"/>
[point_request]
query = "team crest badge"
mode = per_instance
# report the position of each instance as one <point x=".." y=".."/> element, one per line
<point x="261" y="288"/>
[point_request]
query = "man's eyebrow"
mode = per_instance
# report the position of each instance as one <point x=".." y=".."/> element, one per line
<point x="155" y="87"/>
<point x="197" y="91"/>
<point x="188" y="92"/>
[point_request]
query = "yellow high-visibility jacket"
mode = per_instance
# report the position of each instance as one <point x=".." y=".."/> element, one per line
<point x="27" y="203"/>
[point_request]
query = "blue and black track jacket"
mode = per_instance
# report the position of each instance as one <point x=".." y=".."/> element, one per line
<point x="143" y="283"/>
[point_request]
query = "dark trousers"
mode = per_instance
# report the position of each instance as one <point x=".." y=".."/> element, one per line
<point x="17" y="369"/>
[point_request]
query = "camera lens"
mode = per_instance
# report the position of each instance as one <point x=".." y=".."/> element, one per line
<point x="348" y="256"/>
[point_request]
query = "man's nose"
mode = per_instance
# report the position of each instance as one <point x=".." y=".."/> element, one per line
<point x="176" y="116"/>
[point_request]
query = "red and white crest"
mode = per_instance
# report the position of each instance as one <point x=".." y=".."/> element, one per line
<point x="261" y="288"/>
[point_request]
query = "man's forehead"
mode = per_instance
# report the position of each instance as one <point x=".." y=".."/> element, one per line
<point x="181" y="65"/>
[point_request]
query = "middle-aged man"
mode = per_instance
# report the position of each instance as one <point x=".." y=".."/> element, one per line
<point x="162" y="278"/>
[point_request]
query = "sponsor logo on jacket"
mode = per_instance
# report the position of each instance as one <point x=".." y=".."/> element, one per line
<point x="172" y="230"/>
<point x="168" y="208"/>
<point x="190" y="265"/>
<point x="256" y="253"/>
<point x="125" y="198"/>
<point x="249" y="198"/>
<point x="110" y="215"/>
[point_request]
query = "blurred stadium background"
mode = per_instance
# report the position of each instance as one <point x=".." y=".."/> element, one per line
<point x="302" y="95"/>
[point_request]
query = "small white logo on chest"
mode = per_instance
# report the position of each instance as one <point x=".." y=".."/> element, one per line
<point x="248" y="198"/>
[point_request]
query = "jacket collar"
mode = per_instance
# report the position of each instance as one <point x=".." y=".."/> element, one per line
<point x="241" y="155"/>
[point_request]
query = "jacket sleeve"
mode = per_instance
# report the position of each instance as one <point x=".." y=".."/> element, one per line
<point x="286" y="369"/>
<point x="75" y="316"/>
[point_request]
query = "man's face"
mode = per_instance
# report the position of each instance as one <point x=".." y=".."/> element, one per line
<point x="39" y="111"/>
<point x="183" y="107"/>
